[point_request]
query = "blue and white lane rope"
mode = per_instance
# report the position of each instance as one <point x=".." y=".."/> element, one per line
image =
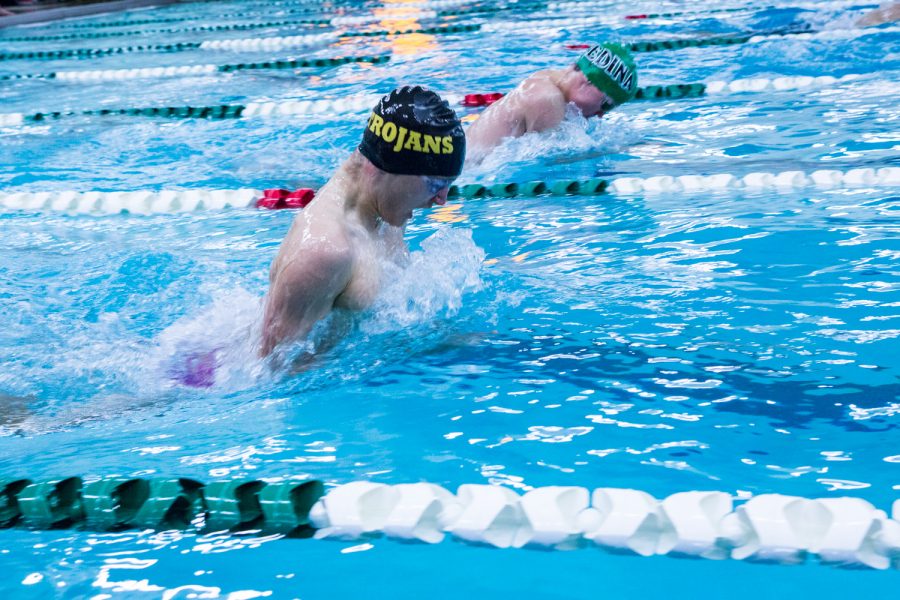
<point x="178" y="201"/>
<point x="767" y="527"/>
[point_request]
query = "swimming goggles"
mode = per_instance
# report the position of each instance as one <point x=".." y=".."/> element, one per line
<point x="436" y="184"/>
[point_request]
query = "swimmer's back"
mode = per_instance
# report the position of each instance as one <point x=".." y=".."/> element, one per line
<point x="535" y="105"/>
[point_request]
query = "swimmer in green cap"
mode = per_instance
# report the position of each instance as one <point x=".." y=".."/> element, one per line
<point x="413" y="148"/>
<point x="603" y="77"/>
<point x="887" y="12"/>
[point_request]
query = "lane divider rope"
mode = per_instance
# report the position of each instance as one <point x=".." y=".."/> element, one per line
<point x="334" y="22"/>
<point x="277" y="43"/>
<point x="247" y="44"/>
<point x="204" y="28"/>
<point x="725" y="40"/>
<point x="129" y="23"/>
<point x="835" y="4"/>
<point x="291" y="11"/>
<point x="442" y="29"/>
<point x="700" y="524"/>
<point x="566" y="6"/>
<point x="174" y="201"/>
<point x="363" y="102"/>
<point x="115" y="74"/>
<point x="366" y="19"/>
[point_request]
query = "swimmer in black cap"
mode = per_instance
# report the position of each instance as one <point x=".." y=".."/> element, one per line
<point x="603" y="77"/>
<point x="412" y="149"/>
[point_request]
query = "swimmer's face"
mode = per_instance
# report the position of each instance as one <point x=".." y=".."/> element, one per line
<point x="411" y="192"/>
<point x="591" y="101"/>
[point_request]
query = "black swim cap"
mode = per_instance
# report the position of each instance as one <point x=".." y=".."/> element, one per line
<point x="413" y="132"/>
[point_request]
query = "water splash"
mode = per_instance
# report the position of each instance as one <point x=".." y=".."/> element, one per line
<point x="574" y="139"/>
<point x="432" y="284"/>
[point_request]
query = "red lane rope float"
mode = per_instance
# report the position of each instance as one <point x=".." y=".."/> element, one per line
<point x="637" y="16"/>
<point x="578" y="46"/>
<point x="480" y="99"/>
<point x="275" y="199"/>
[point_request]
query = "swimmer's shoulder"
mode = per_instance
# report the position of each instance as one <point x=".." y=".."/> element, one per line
<point x="541" y="89"/>
<point x="321" y="260"/>
<point x="542" y="103"/>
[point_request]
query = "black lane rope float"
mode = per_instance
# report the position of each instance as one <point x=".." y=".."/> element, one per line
<point x="94" y="52"/>
<point x="117" y="504"/>
<point x="227" y="68"/>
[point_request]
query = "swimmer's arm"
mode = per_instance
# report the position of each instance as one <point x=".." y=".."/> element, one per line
<point x="498" y="121"/>
<point x="302" y="293"/>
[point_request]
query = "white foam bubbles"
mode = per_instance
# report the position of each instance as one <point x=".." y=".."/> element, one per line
<point x="575" y="136"/>
<point x="215" y="346"/>
<point x="430" y="285"/>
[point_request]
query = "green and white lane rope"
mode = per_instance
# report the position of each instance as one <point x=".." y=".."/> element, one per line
<point x="698" y="524"/>
<point x="284" y="42"/>
<point x="333" y="22"/>
<point x="253" y="44"/>
<point x="178" y="201"/>
<point x="242" y="44"/>
<point x="363" y="102"/>
<point x="196" y="29"/>
<point x="825" y="5"/>
<point x="724" y="40"/>
<point x="445" y="10"/>
<point x="567" y="7"/>
<point x="196" y="70"/>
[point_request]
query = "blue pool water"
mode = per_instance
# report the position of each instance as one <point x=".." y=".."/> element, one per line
<point x="737" y="341"/>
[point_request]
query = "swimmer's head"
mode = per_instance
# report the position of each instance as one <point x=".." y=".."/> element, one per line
<point x="610" y="68"/>
<point x="412" y="131"/>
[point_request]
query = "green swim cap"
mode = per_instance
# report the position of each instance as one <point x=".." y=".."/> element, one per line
<point x="611" y="69"/>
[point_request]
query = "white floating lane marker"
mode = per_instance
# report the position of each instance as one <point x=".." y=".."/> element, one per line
<point x="825" y="178"/>
<point x="775" y="84"/>
<point x="11" y="119"/>
<point x="348" y="105"/>
<point x="137" y="202"/>
<point x="271" y="43"/>
<point x="767" y="527"/>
